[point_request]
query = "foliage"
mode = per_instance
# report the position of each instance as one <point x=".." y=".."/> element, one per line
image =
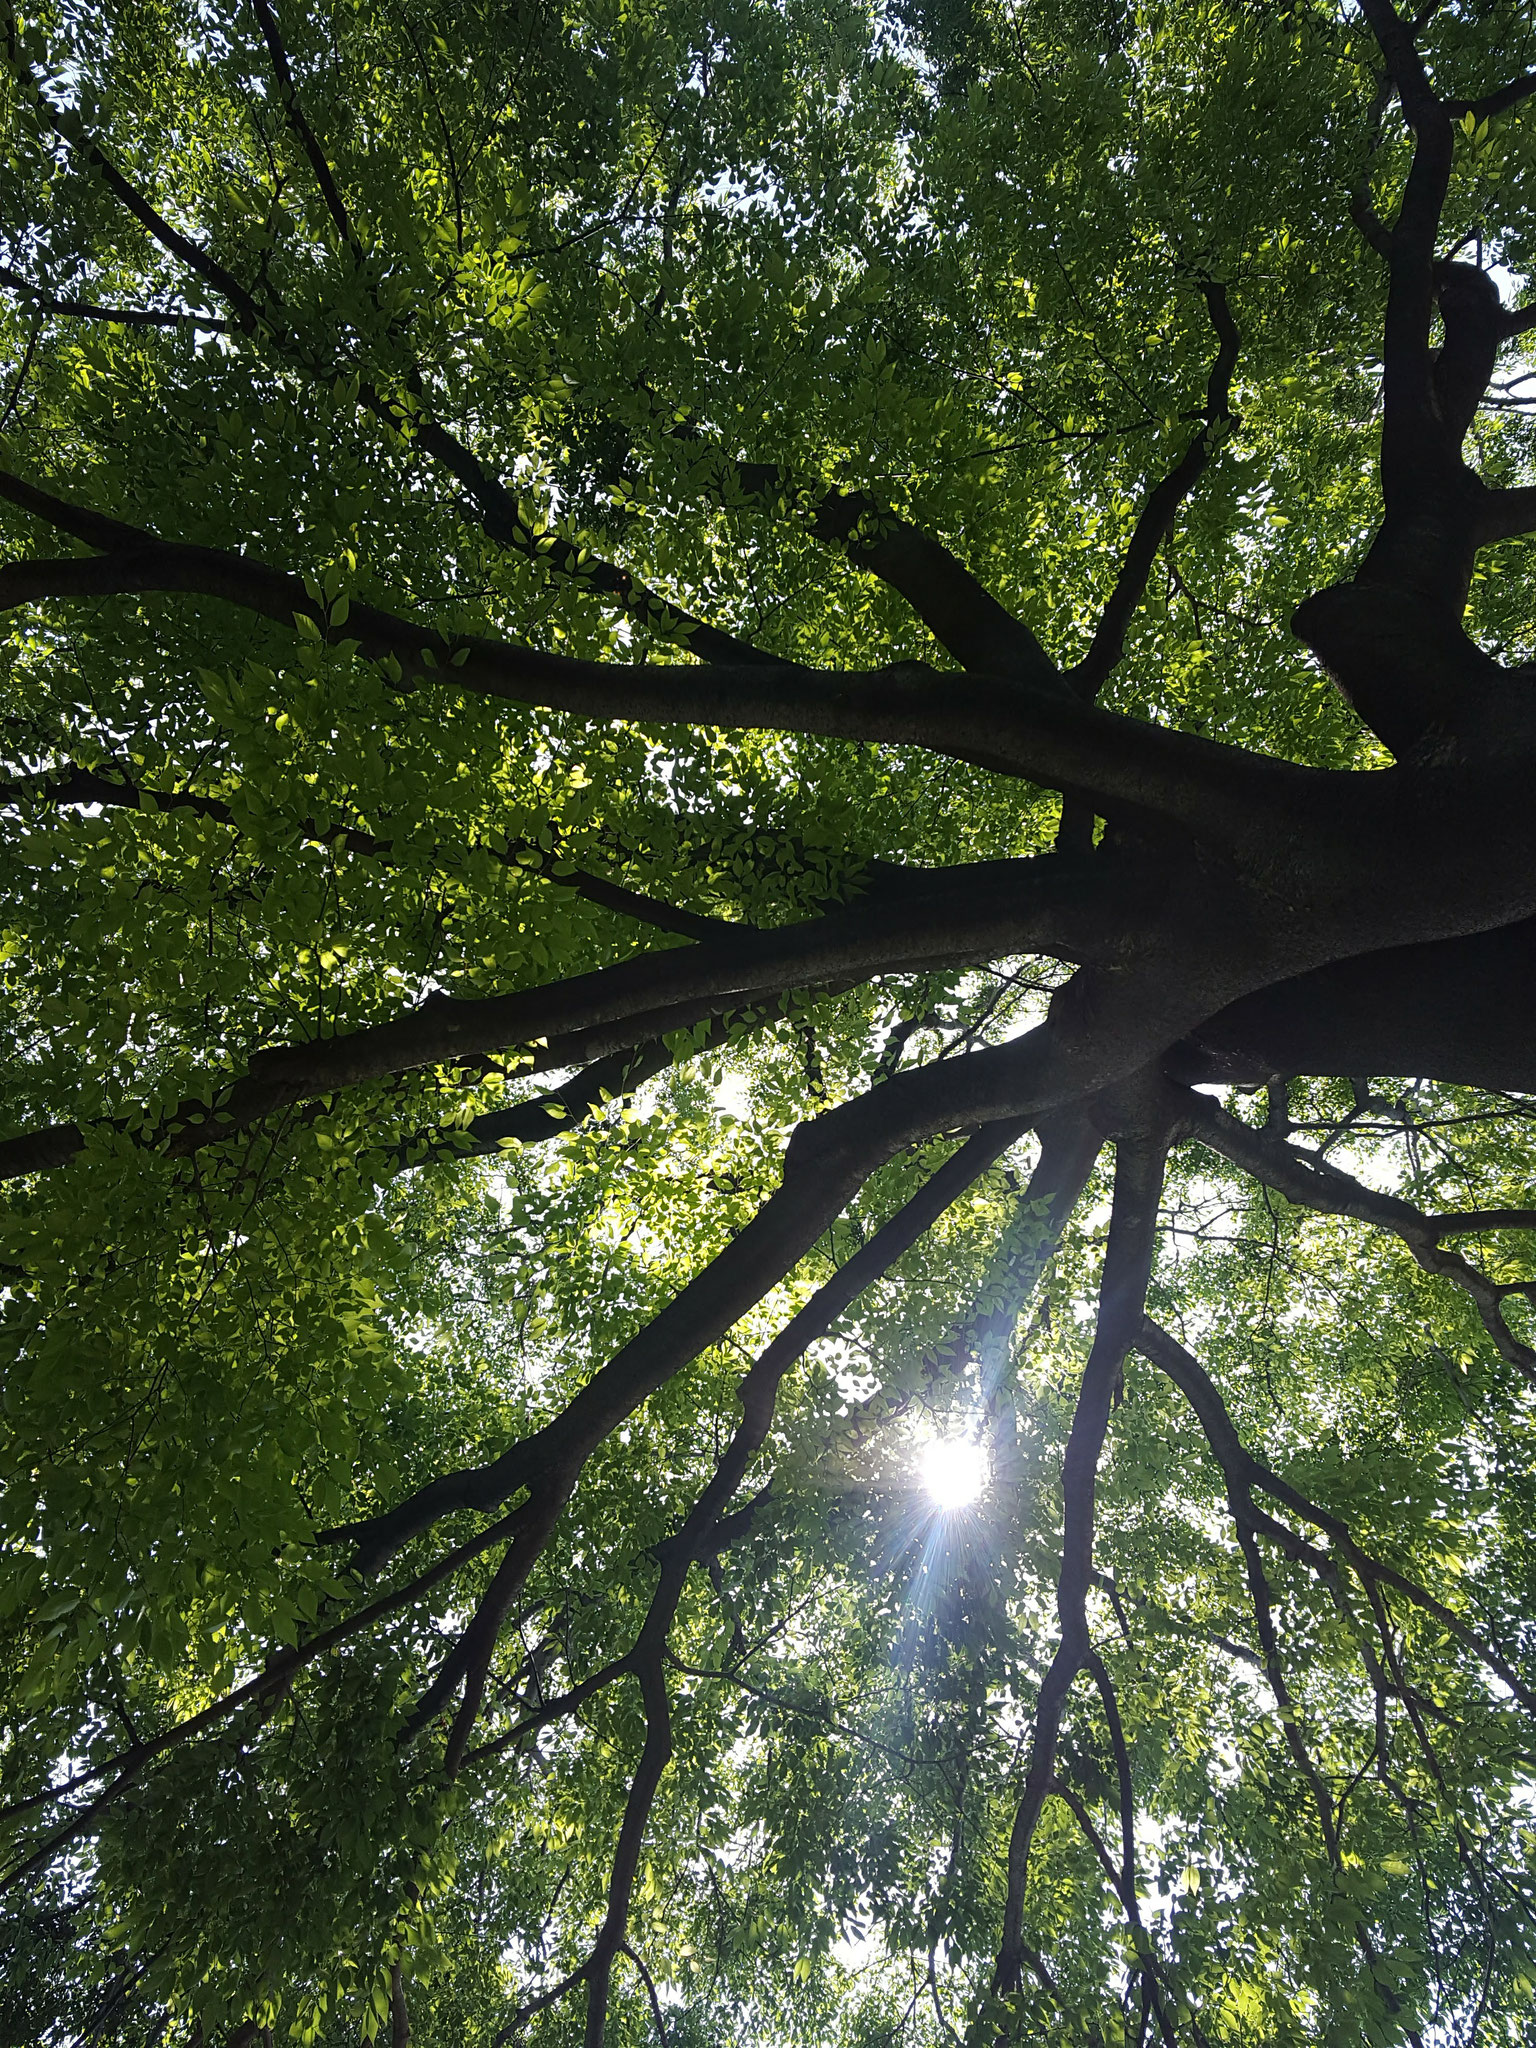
<point x="670" y="830"/>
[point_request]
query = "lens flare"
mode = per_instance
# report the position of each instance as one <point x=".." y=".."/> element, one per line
<point x="954" y="1472"/>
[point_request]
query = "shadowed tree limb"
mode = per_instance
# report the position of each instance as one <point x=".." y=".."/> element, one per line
<point x="650" y="1991"/>
<point x="1499" y="101"/>
<point x="1316" y="1183"/>
<point x="1243" y="1472"/>
<point x="1147" y="1971"/>
<point x="816" y="1186"/>
<point x="1470" y="1220"/>
<point x="1069" y="1149"/>
<point x="1394" y="638"/>
<point x="1154" y="524"/>
<point x="1125" y="1886"/>
<point x="1362" y="210"/>
<point x="699" y="1535"/>
<point x="1043" y="734"/>
<point x="1140" y="1157"/>
<point x="956" y="607"/>
<point x="1007" y="908"/>
<point x="1163" y="505"/>
<point x="1458" y="1010"/>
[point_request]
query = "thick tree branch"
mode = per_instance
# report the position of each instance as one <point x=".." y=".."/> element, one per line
<point x="1469" y="1220"/>
<point x="1012" y="908"/>
<point x="1457" y="1010"/>
<point x="1505" y="514"/>
<point x="1499" y="101"/>
<point x="1045" y="735"/>
<point x="956" y="607"/>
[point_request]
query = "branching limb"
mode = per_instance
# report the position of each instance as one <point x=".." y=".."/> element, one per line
<point x="1139" y="1165"/>
<point x="1316" y="1183"/>
<point x="1394" y="639"/>
<point x="1043" y="734"/>
<point x="1243" y="1472"/>
<point x="700" y="1535"/>
<point x="816" y="1186"/>
<point x="494" y="506"/>
<point x="1274" y="1671"/>
<point x="1013" y="907"/>
<point x="1163" y="505"/>
<point x="827" y="1161"/>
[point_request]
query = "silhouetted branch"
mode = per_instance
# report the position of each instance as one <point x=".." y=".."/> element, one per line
<point x="1139" y="1166"/>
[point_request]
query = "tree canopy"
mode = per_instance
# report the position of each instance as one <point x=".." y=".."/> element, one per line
<point x="768" y="942"/>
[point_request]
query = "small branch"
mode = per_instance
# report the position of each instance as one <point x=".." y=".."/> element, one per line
<point x="650" y="1991"/>
<point x="1361" y="209"/>
<point x="1163" y="505"/>
<point x="248" y="314"/>
<point x="335" y="205"/>
<point x="1243" y="1472"/>
<point x="119" y="316"/>
<point x="1315" y="1183"/>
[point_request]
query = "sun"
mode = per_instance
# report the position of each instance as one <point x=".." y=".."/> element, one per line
<point x="953" y="1471"/>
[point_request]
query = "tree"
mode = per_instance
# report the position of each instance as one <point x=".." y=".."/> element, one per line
<point x="738" y="738"/>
